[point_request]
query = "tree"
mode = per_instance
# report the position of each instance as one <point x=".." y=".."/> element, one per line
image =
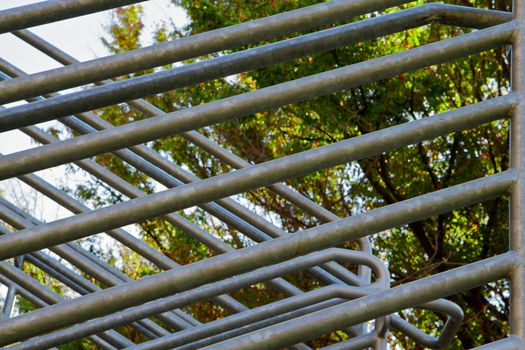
<point x="412" y="251"/>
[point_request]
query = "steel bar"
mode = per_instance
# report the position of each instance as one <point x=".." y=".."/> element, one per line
<point x="40" y="303"/>
<point x="201" y="141"/>
<point x="209" y="42"/>
<point x="235" y="282"/>
<point x="124" y="237"/>
<point x="120" y="235"/>
<point x="55" y="269"/>
<point x="350" y="304"/>
<point x="170" y="175"/>
<point x="52" y="11"/>
<point x="280" y="249"/>
<point x="120" y="277"/>
<point x="517" y="156"/>
<point x="9" y="301"/>
<point x="245" y="324"/>
<point x="376" y="304"/>
<point x="100" y="273"/>
<point x="170" y="168"/>
<point x="192" y="136"/>
<point x="175" y="219"/>
<point x="329" y="39"/>
<point x="224" y="330"/>
<point x="54" y="194"/>
<point x="72" y="333"/>
<point x="510" y="343"/>
<point x="249" y="178"/>
<point x="267" y="98"/>
<point x="245" y="104"/>
<point x="50" y="297"/>
<point x="247" y="317"/>
<point x="182" y="299"/>
<point x="253" y="327"/>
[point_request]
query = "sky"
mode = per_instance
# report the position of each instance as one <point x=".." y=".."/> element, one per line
<point x="81" y="38"/>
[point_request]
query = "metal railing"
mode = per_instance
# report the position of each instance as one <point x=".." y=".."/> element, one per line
<point x="347" y="301"/>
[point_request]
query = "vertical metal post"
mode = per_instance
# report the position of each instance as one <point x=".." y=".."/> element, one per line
<point x="517" y="151"/>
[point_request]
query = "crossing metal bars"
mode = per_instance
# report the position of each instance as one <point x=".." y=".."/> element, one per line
<point x="346" y="301"/>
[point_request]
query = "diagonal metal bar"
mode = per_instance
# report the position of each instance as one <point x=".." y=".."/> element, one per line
<point x="276" y="253"/>
<point x="376" y="304"/>
<point x="184" y="176"/>
<point x="50" y="297"/>
<point x="511" y="343"/>
<point x="244" y="104"/>
<point x="255" y="176"/>
<point x="329" y="39"/>
<point x="52" y="11"/>
<point x="285" y="268"/>
<point x="275" y="96"/>
<point x="71" y="253"/>
<point x="201" y="44"/>
<point x="277" y="250"/>
<point x="40" y="303"/>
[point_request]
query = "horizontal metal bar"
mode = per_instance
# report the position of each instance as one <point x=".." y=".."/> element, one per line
<point x="40" y="303"/>
<point x="56" y="269"/>
<point x="175" y="219"/>
<point x="209" y="42"/>
<point x="325" y="40"/>
<point x="50" y="297"/>
<point x="510" y="343"/>
<point x="243" y="330"/>
<point x="225" y="328"/>
<point x="122" y="236"/>
<point x="169" y="167"/>
<point x="153" y="308"/>
<point x="263" y="254"/>
<point x="53" y="10"/>
<point x="100" y="271"/>
<point x="94" y="326"/>
<point x="375" y="305"/>
<point x="259" y="175"/>
<point x="245" y="104"/>
<point x="298" y="90"/>
<point x="242" y="319"/>
<point x="192" y="136"/>
<point x="34" y="182"/>
<point x="16" y="275"/>
<point x="365" y="341"/>
<point x="226" y="210"/>
<point x="261" y="317"/>
<point x="236" y="283"/>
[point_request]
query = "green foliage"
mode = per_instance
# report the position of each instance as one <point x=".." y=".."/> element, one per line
<point x="412" y="251"/>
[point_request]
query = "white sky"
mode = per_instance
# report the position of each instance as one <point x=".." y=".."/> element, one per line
<point x="80" y="37"/>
